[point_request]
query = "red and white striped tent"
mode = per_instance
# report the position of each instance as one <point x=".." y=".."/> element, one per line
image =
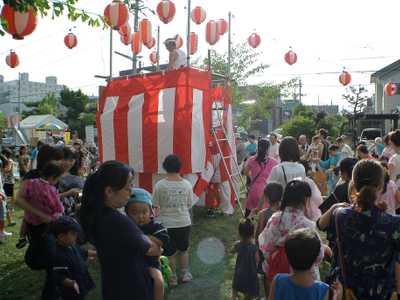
<point x="143" y="119"/>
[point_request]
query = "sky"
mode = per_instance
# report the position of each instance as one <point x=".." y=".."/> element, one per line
<point x="359" y="35"/>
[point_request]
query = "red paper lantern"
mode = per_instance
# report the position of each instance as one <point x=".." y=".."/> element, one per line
<point x="126" y="39"/>
<point x="198" y="15"/>
<point x="345" y="78"/>
<point x="145" y="31"/>
<point x="166" y="11"/>
<point x="179" y="42"/>
<point x="116" y="14"/>
<point x="151" y="44"/>
<point x="18" y="24"/>
<point x="125" y="29"/>
<point x="153" y="57"/>
<point x="222" y="26"/>
<point x="70" y="40"/>
<point x="12" y="59"/>
<point x="254" y="40"/>
<point x="212" y="34"/>
<point x="291" y="57"/>
<point x="136" y="43"/>
<point x="390" y="88"/>
<point x="193" y="43"/>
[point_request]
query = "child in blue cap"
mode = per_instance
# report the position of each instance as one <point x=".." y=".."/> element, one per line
<point x="140" y="208"/>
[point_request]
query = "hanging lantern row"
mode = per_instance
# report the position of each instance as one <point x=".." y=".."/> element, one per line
<point x="153" y="57"/>
<point x="291" y="57"/>
<point x="18" y="24"/>
<point x="70" y="40"/>
<point x="391" y="88"/>
<point x="345" y="78"/>
<point x="151" y="44"/>
<point x="194" y="41"/>
<point x="136" y="43"/>
<point x="254" y="40"/>
<point x="179" y="42"/>
<point x="116" y="14"/>
<point x="145" y="31"/>
<point x="198" y="15"/>
<point x="126" y="39"/>
<point x="12" y="59"/>
<point x="125" y="29"/>
<point x="166" y="11"/>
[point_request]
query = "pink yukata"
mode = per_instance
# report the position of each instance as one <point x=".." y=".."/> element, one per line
<point x="277" y="230"/>
<point x="257" y="187"/>
<point x="390" y="197"/>
<point x="44" y="197"/>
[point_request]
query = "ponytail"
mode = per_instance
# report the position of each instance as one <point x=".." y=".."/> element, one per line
<point x="262" y="151"/>
<point x="366" y="197"/>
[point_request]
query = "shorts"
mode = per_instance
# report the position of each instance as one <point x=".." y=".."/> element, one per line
<point x="9" y="189"/>
<point x="179" y="239"/>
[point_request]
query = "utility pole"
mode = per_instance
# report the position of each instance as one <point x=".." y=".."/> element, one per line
<point x="158" y="48"/>
<point x="229" y="44"/>
<point x="19" y="101"/>
<point x="111" y="52"/>
<point x="135" y="29"/>
<point x="300" y="87"/>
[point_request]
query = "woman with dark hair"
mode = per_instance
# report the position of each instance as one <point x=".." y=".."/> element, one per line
<point x="366" y="240"/>
<point x="120" y="244"/>
<point x="289" y="168"/>
<point x="258" y="168"/>
<point x="388" y="150"/>
<point x="23" y="161"/>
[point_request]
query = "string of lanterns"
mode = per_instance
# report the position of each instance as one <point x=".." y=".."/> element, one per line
<point x="116" y="15"/>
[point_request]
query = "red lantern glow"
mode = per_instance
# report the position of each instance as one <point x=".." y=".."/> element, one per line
<point x="126" y="39"/>
<point x="212" y="34"/>
<point x="18" y="24"/>
<point x="222" y="26"/>
<point x="291" y="57"/>
<point x="390" y="88"/>
<point x="116" y="14"/>
<point x="153" y="57"/>
<point x="198" y="15"/>
<point x="136" y="43"/>
<point x="193" y="43"/>
<point x="345" y="78"/>
<point x="12" y="59"/>
<point x="145" y="31"/>
<point x="166" y="11"/>
<point x="125" y="29"/>
<point x="179" y="42"/>
<point x="151" y="44"/>
<point x="254" y="40"/>
<point x="70" y="40"/>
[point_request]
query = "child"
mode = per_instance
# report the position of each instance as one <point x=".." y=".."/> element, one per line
<point x="71" y="273"/>
<point x="245" y="278"/>
<point x="174" y="198"/>
<point x="3" y="233"/>
<point x="315" y="152"/>
<point x="8" y="183"/>
<point x="331" y="165"/>
<point x="139" y="208"/>
<point x="302" y="249"/>
<point x="291" y="216"/>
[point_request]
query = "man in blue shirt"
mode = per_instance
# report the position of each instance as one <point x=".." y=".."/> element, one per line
<point x="251" y="148"/>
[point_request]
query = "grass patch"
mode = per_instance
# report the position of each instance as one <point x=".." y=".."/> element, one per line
<point x="212" y="281"/>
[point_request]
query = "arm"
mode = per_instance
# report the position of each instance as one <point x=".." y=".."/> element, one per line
<point x="25" y="205"/>
<point x="397" y="197"/>
<point x="261" y="224"/>
<point x="324" y="221"/>
<point x="392" y="171"/>
<point x="325" y="163"/>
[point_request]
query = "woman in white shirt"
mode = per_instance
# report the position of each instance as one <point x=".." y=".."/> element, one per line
<point x="289" y="168"/>
<point x="177" y="58"/>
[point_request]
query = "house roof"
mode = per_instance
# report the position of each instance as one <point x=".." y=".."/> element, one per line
<point x="386" y="71"/>
<point x="39" y="120"/>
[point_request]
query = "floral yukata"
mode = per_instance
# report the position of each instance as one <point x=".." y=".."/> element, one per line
<point x="371" y="246"/>
<point x="276" y="232"/>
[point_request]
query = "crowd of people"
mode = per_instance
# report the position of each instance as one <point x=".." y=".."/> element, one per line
<point x="297" y="188"/>
<point x="309" y="188"/>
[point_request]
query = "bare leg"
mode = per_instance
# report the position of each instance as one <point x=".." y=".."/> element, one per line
<point x="158" y="283"/>
<point x="267" y="284"/>
<point x="184" y="261"/>
<point x="173" y="281"/>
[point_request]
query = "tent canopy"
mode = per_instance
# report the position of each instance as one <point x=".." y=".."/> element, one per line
<point x="47" y="122"/>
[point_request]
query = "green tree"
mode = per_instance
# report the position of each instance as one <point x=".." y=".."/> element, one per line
<point x="356" y="99"/>
<point x="3" y="120"/>
<point x="245" y="63"/>
<point x="47" y="106"/>
<point x="298" y="125"/>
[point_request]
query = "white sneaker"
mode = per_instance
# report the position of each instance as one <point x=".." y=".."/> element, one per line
<point x="5" y="234"/>
<point x="187" y="277"/>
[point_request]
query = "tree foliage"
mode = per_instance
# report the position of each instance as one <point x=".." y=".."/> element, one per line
<point x="47" y="106"/>
<point x="357" y="99"/>
<point x="3" y="120"/>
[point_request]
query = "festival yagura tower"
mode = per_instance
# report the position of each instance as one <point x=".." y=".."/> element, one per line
<point x="144" y="118"/>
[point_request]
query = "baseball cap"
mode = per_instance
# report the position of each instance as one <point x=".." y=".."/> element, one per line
<point x="65" y="224"/>
<point x="139" y="195"/>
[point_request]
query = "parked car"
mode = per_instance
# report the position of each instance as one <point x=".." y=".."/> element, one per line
<point x="368" y="135"/>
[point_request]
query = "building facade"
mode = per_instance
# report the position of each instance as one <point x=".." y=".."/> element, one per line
<point x="24" y="91"/>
